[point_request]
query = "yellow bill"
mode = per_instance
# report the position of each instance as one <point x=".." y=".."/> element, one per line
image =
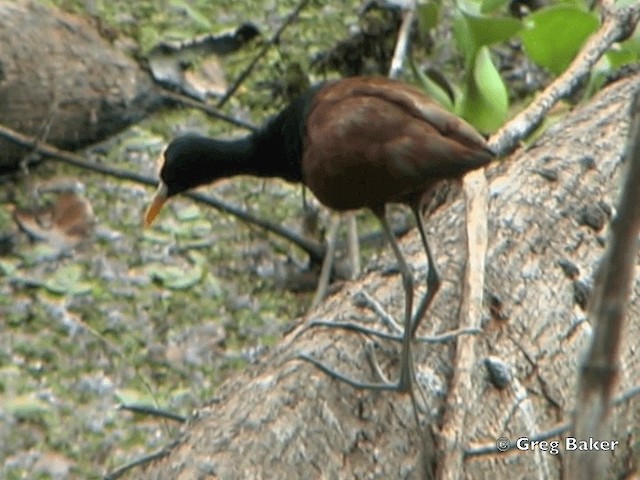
<point x="158" y="201"/>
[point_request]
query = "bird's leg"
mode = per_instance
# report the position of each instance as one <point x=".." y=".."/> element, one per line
<point x="404" y="383"/>
<point x="433" y="279"/>
<point x="353" y="246"/>
<point x="329" y="258"/>
<point x="406" y="371"/>
<point x="433" y="285"/>
<point x="327" y="263"/>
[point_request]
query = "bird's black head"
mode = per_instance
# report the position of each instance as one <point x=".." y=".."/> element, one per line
<point x="193" y="160"/>
<point x="186" y="163"/>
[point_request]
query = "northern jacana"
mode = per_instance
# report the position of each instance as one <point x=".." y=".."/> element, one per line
<point x="360" y="142"/>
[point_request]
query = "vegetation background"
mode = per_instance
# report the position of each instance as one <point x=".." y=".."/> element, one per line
<point x="161" y="317"/>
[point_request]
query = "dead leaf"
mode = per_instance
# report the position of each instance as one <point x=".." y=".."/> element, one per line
<point x="64" y="225"/>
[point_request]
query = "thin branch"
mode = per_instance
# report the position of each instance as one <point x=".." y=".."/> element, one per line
<point x="313" y="249"/>
<point x="327" y="262"/>
<point x="144" y="460"/>
<point x="613" y="284"/>
<point x="618" y="23"/>
<point x="402" y="44"/>
<point x="353" y="247"/>
<point x="153" y="412"/>
<point x="275" y="38"/>
<point x="206" y="108"/>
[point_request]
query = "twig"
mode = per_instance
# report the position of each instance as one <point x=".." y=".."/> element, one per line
<point x="327" y="263"/>
<point x="272" y="41"/>
<point x="158" y="454"/>
<point x="153" y="411"/>
<point x="607" y="309"/>
<point x="353" y="246"/>
<point x="313" y="249"/>
<point x="617" y="24"/>
<point x="400" y="52"/>
<point x="206" y="108"/>
<point x="452" y="456"/>
<point x="492" y="448"/>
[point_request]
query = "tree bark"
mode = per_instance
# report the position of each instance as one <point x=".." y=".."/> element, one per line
<point x="63" y="83"/>
<point x="548" y="221"/>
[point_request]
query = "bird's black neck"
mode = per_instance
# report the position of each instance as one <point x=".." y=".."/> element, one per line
<point x="232" y="157"/>
<point x="273" y="151"/>
<point x="203" y="160"/>
<point x="279" y="144"/>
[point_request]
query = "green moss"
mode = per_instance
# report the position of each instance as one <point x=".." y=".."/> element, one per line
<point x="125" y="328"/>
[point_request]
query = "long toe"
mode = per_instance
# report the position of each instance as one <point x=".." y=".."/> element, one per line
<point x="379" y="386"/>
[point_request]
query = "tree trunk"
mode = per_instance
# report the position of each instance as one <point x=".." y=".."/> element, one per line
<point x="548" y="217"/>
<point x="61" y="82"/>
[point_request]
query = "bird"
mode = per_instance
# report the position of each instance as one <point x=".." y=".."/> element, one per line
<point x="357" y="142"/>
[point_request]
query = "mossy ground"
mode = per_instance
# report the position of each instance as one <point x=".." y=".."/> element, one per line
<point x="158" y="316"/>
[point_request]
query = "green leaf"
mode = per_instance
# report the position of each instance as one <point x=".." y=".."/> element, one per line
<point x="487" y="30"/>
<point x="177" y="229"/>
<point x="553" y="36"/>
<point x="188" y="213"/>
<point x="198" y="259"/>
<point x="8" y="266"/>
<point x="175" y="278"/>
<point x="619" y="58"/>
<point x="142" y="140"/>
<point x="620" y="55"/>
<point x="156" y="236"/>
<point x="67" y="280"/>
<point x="201" y="20"/>
<point x="428" y="14"/>
<point x="489" y="6"/>
<point x="624" y="3"/>
<point x="473" y="31"/>
<point x="469" y="7"/>
<point x="38" y="253"/>
<point x="485" y="102"/>
<point x="213" y="286"/>
<point x="201" y="228"/>
<point x="129" y="396"/>
<point x="26" y="407"/>
<point x="463" y="37"/>
<point x="431" y="88"/>
<point x="625" y="53"/>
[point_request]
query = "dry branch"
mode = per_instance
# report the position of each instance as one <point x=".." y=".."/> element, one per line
<point x="275" y="38"/>
<point x="213" y="112"/>
<point x="618" y="24"/>
<point x="451" y="433"/>
<point x="608" y="305"/>
<point x="402" y="44"/>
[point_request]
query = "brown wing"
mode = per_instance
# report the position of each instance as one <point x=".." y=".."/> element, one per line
<point x="372" y="140"/>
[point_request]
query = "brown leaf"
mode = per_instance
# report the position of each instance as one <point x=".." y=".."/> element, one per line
<point x="64" y="225"/>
